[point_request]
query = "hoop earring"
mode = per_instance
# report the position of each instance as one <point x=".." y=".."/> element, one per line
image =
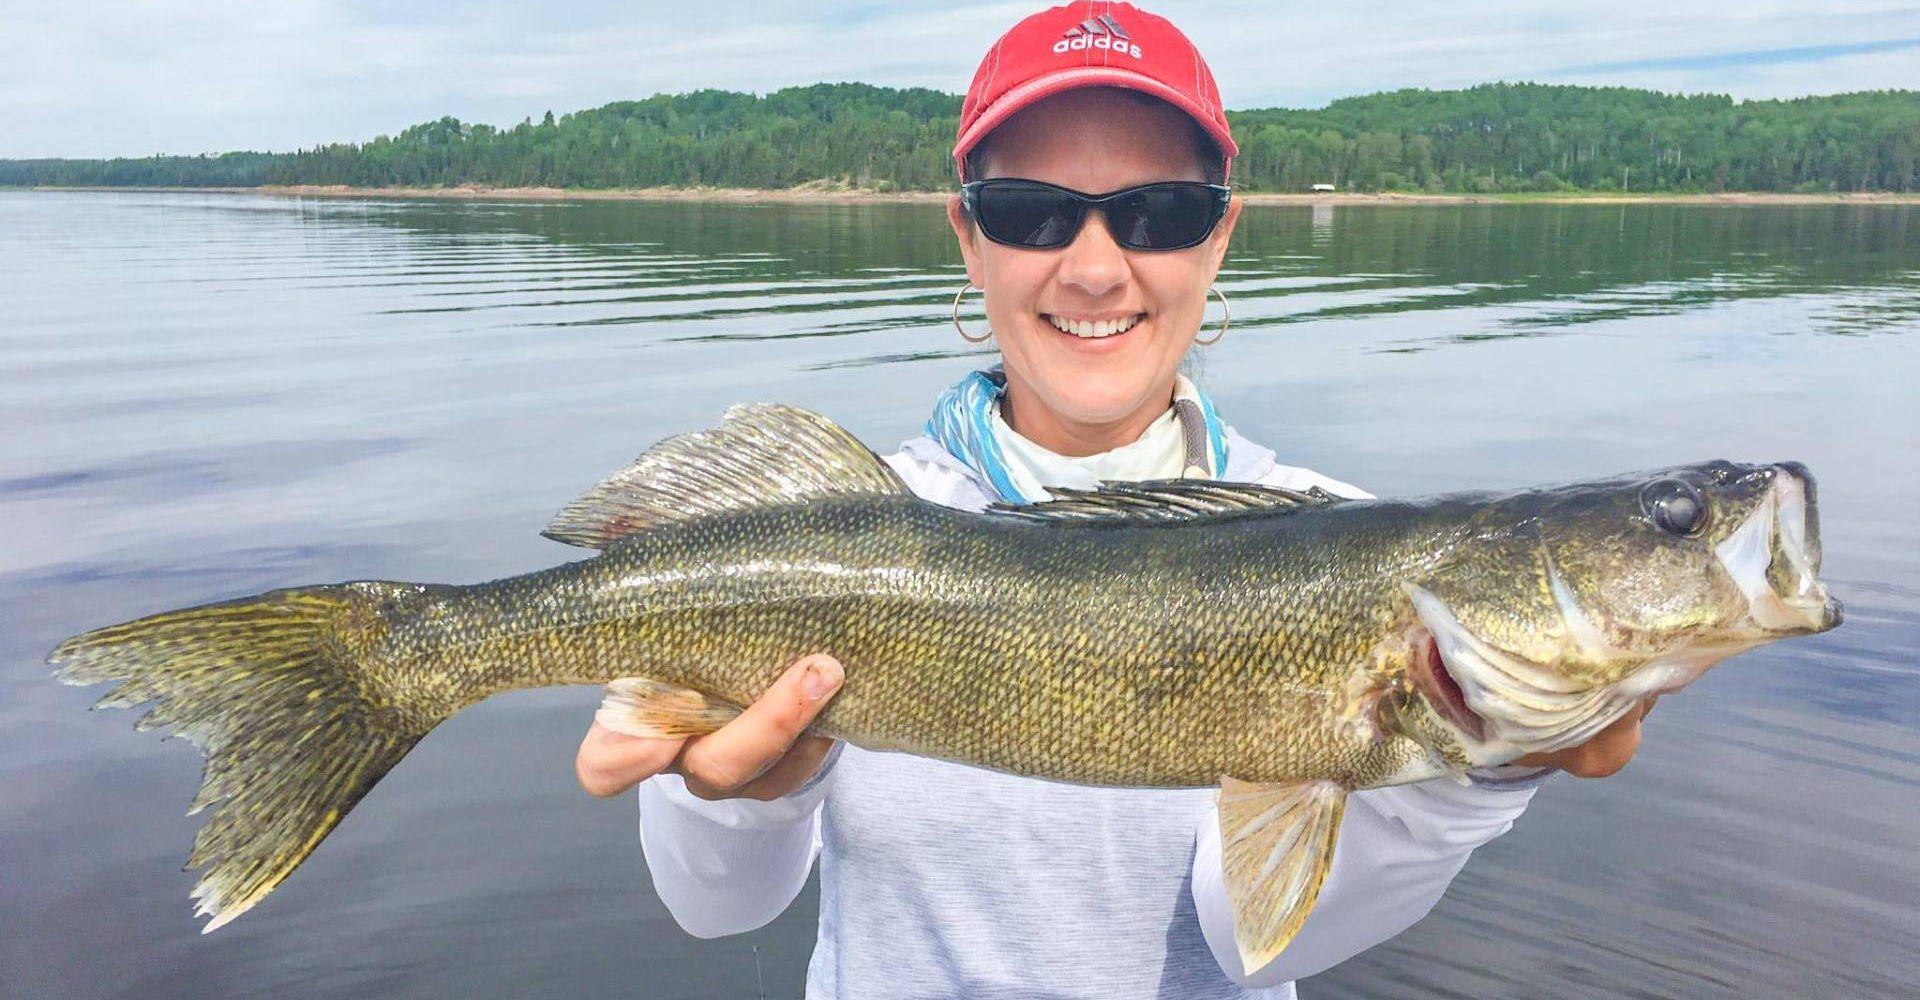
<point x="964" y="335"/>
<point x="1226" y="318"/>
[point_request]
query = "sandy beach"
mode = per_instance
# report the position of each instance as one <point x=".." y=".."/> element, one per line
<point x="834" y="193"/>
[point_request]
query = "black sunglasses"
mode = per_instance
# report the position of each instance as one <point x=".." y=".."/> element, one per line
<point x="1033" y="215"/>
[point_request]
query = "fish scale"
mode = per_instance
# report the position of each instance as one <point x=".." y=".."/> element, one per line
<point x="966" y="636"/>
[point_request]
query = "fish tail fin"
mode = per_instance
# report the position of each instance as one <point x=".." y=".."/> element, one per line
<point x="274" y="690"/>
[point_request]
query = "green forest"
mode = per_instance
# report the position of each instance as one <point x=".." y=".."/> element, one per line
<point x="1493" y="138"/>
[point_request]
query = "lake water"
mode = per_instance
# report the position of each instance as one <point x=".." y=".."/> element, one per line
<point x="210" y="396"/>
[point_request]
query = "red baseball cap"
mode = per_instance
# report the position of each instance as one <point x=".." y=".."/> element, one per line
<point x="1090" y="44"/>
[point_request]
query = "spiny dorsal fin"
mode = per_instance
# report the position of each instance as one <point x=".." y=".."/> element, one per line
<point x="761" y="454"/>
<point x="1163" y="500"/>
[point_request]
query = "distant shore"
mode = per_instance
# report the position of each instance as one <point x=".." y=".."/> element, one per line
<point x="822" y="193"/>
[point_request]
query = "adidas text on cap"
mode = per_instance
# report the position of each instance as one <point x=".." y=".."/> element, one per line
<point x="1090" y="44"/>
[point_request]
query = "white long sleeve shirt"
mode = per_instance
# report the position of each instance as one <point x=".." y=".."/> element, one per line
<point x="943" y="880"/>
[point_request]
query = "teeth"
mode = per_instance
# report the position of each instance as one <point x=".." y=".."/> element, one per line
<point x="1748" y="557"/>
<point x="1093" y="330"/>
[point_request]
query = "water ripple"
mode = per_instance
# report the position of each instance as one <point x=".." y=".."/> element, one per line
<point x="211" y="395"/>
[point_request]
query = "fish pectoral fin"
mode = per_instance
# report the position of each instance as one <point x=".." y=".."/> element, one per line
<point x="636" y="706"/>
<point x="1276" y="846"/>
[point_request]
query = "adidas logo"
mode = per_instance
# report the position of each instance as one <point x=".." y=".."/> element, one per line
<point x="1101" y="32"/>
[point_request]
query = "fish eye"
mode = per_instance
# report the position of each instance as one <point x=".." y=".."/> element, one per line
<point x="1676" y="505"/>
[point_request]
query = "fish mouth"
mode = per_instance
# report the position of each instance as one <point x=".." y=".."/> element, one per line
<point x="1774" y="558"/>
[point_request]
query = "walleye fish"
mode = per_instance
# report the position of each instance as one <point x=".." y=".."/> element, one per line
<point x="1286" y="646"/>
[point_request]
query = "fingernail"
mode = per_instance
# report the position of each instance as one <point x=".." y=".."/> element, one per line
<point x="820" y="680"/>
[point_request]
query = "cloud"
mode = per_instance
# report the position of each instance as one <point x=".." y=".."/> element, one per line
<point x="1738" y="60"/>
<point x="1889" y="70"/>
<point x="130" y="77"/>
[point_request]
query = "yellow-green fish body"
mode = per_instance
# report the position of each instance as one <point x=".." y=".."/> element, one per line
<point x="1114" y="653"/>
<point x="1287" y="646"/>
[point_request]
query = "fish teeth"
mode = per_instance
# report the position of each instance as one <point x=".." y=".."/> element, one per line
<point x="1091" y="329"/>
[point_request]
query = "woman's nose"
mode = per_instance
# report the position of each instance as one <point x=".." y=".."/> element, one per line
<point x="1093" y="263"/>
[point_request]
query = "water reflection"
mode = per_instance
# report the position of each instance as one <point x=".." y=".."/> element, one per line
<point x="1322" y="224"/>
<point x="213" y="396"/>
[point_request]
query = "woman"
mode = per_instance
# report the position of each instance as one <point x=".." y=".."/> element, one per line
<point x="944" y="880"/>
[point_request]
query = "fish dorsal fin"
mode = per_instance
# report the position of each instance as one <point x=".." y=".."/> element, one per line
<point x="1276" y="846"/>
<point x="761" y="454"/>
<point x="1163" y="500"/>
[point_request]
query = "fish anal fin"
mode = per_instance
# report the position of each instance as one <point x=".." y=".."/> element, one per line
<point x="636" y="706"/>
<point x="1276" y="846"/>
<point x="761" y="454"/>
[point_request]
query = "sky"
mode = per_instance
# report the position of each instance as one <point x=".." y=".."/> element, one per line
<point x="134" y="77"/>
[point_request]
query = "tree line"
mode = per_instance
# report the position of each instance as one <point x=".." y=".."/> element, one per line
<point x="1497" y="137"/>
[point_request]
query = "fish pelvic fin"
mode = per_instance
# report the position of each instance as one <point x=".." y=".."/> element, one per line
<point x="1276" y="846"/>
<point x="761" y="454"/>
<point x="636" y="706"/>
<point x="274" y="691"/>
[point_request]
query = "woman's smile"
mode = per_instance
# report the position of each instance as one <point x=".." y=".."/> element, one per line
<point x="1095" y="329"/>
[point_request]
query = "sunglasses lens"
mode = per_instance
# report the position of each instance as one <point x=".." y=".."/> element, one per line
<point x="1171" y="216"/>
<point x="1162" y="217"/>
<point x="1025" y="216"/>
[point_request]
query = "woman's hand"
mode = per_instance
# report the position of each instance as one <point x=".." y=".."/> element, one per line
<point x="1609" y="750"/>
<point x="759" y="755"/>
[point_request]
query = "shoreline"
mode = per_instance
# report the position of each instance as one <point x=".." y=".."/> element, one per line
<point x="824" y="194"/>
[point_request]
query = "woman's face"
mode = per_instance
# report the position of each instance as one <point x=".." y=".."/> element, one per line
<point x="1073" y="394"/>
